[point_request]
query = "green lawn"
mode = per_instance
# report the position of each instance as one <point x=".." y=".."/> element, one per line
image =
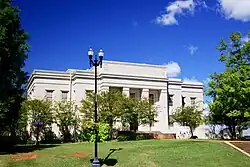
<point x="151" y="153"/>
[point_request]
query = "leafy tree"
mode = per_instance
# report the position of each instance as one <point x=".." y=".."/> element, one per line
<point x="109" y="107"/>
<point x="40" y="116"/>
<point x="230" y="90"/>
<point x="147" y="113"/>
<point x="66" y="118"/>
<point x="115" y="106"/>
<point x="189" y="116"/>
<point x="138" y="112"/>
<point x="13" y="53"/>
<point x="87" y="107"/>
<point x="130" y="113"/>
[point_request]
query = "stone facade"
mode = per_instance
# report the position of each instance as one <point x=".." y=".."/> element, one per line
<point x="138" y="80"/>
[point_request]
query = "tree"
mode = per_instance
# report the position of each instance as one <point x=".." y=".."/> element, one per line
<point x="189" y="116"/>
<point x="138" y="112"/>
<point x="13" y="53"/>
<point x="130" y="113"/>
<point x="230" y="90"/>
<point x="147" y="113"/>
<point x="114" y="106"/>
<point x="40" y="117"/>
<point x="66" y="118"/>
<point x="109" y="107"/>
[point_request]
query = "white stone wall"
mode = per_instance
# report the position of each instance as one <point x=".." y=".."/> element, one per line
<point x="139" y="78"/>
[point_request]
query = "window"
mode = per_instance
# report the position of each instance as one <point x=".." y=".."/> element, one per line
<point x="151" y="98"/>
<point x="49" y="95"/>
<point x="64" y="95"/>
<point x="192" y="100"/>
<point x="132" y="95"/>
<point x="170" y="100"/>
<point x="183" y="101"/>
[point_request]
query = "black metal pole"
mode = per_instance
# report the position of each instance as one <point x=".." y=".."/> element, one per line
<point x="96" y="162"/>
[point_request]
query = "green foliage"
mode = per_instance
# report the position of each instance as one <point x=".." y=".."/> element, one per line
<point x="129" y="135"/>
<point x="115" y="106"/>
<point x="103" y="132"/>
<point x="147" y="113"/>
<point x="66" y="118"/>
<point x="87" y="132"/>
<point x="230" y="90"/>
<point x="130" y="113"/>
<point x="38" y="110"/>
<point x="189" y="116"/>
<point x="13" y="53"/>
<point x="123" y="138"/>
<point x="144" y="136"/>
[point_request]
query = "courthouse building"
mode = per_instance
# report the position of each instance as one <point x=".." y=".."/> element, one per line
<point x="133" y="79"/>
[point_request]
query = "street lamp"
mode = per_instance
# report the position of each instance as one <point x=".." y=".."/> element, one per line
<point x="95" y="63"/>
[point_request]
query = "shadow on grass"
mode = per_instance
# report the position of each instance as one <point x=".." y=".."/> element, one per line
<point x="109" y="161"/>
<point x="23" y="148"/>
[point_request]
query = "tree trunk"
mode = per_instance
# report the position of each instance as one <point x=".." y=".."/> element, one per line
<point x="111" y="129"/>
<point x="232" y="131"/>
<point x="37" y="136"/>
<point x="191" y="131"/>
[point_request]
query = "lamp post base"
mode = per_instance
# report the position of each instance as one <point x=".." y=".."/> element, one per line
<point x="96" y="162"/>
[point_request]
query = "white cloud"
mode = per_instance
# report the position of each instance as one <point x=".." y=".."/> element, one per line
<point x="205" y="81"/>
<point x="245" y="38"/>
<point x="192" y="49"/>
<point x="190" y="79"/>
<point x="173" y="69"/>
<point x="179" y="7"/>
<point x="235" y="9"/>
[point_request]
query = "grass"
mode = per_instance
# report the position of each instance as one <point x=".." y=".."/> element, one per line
<point x="150" y="153"/>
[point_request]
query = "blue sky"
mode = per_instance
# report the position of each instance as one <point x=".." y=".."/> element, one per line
<point x="181" y="34"/>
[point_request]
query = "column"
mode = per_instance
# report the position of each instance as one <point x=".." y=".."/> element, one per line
<point x="145" y="93"/>
<point x="163" y="114"/>
<point x="125" y="91"/>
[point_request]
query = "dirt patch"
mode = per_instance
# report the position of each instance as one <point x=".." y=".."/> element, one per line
<point x="243" y="145"/>
<point x="79" y="155"/>
<point x="24" y="156"/>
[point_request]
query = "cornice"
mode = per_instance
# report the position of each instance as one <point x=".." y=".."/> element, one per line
<point x="134" y="64"/>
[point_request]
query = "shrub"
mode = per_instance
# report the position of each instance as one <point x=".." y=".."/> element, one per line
<point x="126" y="135"/>
<point x="88" y="132"/>
<point x="122" y="138"/>
<point x="144" y="136"/>
<point x="104" y="132"/>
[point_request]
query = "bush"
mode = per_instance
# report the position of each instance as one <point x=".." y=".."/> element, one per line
<point x="129" y="135"/>
<point x="122" y="138"/>
<point x="88" y="132"/>
<point x="126" y="136"/>
<point x="103" y="132"/>
<point x="144" y="136"/>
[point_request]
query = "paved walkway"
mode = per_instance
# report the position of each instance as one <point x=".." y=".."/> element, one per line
<point x="242" y="146"/>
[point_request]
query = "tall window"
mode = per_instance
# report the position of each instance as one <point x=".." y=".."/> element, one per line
<point x="192" y="100"/>
<point x="49" y="95"/>
<point x="170" y="100"/>
<point x="64" y="95"/>
<point x="183" y="101"/>
<point x="132" y="95"/>
<point x="151" y="98"/>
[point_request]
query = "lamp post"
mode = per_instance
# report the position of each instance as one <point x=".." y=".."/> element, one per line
<point x="95" y="63"/>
